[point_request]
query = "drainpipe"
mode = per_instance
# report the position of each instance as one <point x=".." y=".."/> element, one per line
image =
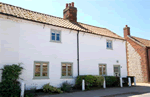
<point x="78" y="51"/>
<point x="148" y="65"/>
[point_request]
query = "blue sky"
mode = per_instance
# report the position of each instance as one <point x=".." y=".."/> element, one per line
<point x="110" y="14"/>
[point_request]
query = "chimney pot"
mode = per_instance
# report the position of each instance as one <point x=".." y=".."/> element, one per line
<point x="70" y="12"/>
<point x="66" y="5"/>
<point x="126" y="25"/>
<point x="72" y="4"/>
<point x="69" y="4"/>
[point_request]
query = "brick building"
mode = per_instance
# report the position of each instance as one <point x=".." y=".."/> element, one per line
<point x="138" y="56"/>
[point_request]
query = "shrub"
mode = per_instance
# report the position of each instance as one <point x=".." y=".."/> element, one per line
<point x="112" y="81"/>
<point x="67" y="87"/>
<point x="90" y="81"/>
<point x="10" y="87"/>
<point x="99" y="81"/>
<point x="50" y="89"/>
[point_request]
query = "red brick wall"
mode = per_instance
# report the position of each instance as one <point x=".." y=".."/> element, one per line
<point x="70" y="13"/>
<point x="143" y="53"/>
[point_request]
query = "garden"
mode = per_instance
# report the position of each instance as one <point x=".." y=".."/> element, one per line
<point x="10" y="87"/>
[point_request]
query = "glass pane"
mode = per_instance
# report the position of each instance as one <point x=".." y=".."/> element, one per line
<point x="63" y="69"/>
<point x="107" y="45"/>
<point x="44" y="67"/>
<point x="53" y="37"/>
<point x="44" y="73"/>
<point x="69" y="69"/>
<point x="37" y="74"/>
<point x="53" y="34"/>
<point x="69" y="73"/>
<point x="37" y="69"/>
<point x="58" y="37"/>
<point x="100" y="69"/>
<point x="116" y="69"/>
<point x="104" y="69"/>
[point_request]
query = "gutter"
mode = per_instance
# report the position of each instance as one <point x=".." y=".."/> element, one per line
<point x="78" y="51"/>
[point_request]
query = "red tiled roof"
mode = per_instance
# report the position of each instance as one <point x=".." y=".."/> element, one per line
<point x="19" y="12"/>
<point x="143" y="41"/>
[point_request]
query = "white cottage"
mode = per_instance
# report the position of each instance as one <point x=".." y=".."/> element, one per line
<point x="54" y="49"/>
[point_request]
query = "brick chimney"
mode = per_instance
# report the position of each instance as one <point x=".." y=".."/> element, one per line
<point x="126" y="31"/>
<point x="70" y="12"/>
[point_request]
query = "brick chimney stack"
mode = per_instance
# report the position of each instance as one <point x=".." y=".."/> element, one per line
<point x="70" y="12"/>
<point x="126" y="31"/>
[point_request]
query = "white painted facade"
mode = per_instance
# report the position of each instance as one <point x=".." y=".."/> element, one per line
<point x="25" y="41"/>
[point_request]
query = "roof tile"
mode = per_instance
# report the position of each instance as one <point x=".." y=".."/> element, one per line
<point x="56" y="21"/>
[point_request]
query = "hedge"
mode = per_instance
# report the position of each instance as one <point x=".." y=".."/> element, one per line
<point x="90" y="81"/>
<point x="112" y="81"/>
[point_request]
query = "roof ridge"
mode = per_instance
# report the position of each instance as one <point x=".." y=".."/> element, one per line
<point x="31" y="10"/>
<point x="69" y="24"/>
<point x="141" y="38"/>
<point x="92" y="25"/>
<point x="101" y="28"/>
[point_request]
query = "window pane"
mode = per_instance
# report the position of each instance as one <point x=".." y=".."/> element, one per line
<point x="58" y="37"/>
<point x="44" y="67"/>
<point x="69" y="70"/>
<point x="69" y="73"/>
<point x="104" y="69"/>
<point x="107" y="45"/>
<point x="100" y="69"/>
<point x="53" y="36"/>
<point x="44" y="73"/>
<point x="37" y="69"/>
<point x="116" y="69"/>
<point x="63" y="69"/>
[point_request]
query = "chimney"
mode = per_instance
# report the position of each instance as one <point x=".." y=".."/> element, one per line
<point x="126" y="31"/>
<point x="70" y="12"/>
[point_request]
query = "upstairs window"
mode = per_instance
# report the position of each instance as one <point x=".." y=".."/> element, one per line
<point x="109" y="44"/>
<point x="55" y="35"/>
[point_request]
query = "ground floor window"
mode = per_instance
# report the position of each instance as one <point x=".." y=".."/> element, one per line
<point x="41" y="69"/>
<point x="102" y="69"/>
<point x="66" y="70"/>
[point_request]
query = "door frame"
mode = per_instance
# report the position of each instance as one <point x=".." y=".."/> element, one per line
<point x="119" y="70"/>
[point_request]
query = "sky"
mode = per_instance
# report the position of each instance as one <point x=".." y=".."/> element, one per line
<point x="110" y="14"/>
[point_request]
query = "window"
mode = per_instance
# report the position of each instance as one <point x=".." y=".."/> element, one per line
<point x="41" y="69"/>
<point x="109" y="44"/>
<point x="66" y="70"/>
<point x="102" y="69"/>
<point x="55" y="35"/>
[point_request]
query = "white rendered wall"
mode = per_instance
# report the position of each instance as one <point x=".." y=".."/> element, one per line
<point x="26" y="42"/>
<point x="93" y="52"/>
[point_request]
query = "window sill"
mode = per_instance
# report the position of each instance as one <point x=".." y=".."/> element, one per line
<point x="55" y="41"/>
<point x="109" y="48"/>
<point x="66" y="78"/>
<point x="36" y="78"/>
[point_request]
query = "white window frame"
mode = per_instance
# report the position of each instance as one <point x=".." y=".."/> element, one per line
<point x="110" y="44"/>
<point x="56" y="32"/>
<point x="102" y="69"/>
